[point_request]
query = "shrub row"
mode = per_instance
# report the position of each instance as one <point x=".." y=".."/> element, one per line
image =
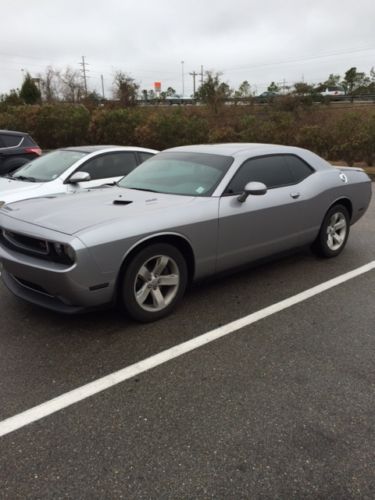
<point x="336" y="134"/>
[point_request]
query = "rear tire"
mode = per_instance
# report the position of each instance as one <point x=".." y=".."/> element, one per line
<point x="333" y="233"/>
<point x="153" y="282"/>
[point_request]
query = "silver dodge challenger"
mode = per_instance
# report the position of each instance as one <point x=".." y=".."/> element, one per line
<point x="184" y="214"/>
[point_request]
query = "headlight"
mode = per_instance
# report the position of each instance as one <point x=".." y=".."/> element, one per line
<point x="64" y="252"/>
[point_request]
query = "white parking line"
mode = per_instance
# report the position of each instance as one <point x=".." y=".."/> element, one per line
<point x="69" y="398"/>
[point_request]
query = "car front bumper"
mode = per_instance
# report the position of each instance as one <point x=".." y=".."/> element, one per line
<point x="57" y="287"/>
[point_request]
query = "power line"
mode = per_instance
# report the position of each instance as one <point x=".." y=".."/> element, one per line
<point x="290" y="61"/>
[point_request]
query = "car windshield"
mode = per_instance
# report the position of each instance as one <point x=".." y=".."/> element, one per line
<point x="191" y="174"/>
<point x="48" y="167"/>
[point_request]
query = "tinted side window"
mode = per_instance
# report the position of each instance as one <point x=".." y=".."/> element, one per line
<point x="273" y="171"/>
<point x="27" y="141"/>
<point x="11" y="140"/>
<point x="109" y="165"/>
<point x="299" y="169"/>
<point x="144" y="156"/>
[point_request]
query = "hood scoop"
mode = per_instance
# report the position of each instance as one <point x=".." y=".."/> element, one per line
<point x="121" y="202"/>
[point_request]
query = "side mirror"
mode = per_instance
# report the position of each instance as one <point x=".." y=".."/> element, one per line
<point x="252" y="188"/>
<point x="79" y="177"/>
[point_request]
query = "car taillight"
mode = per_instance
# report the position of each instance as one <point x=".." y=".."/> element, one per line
<point x="36" y="151"/>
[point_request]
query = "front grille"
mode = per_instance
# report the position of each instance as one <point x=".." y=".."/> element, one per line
<point x="34" y="247"/>
<point x="26" y="243"/>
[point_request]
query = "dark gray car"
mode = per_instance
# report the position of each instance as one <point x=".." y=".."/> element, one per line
<point x="187" y="213"/>
<point x="16" y="149"/>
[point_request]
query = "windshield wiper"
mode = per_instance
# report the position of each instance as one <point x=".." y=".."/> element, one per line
<point x="140" y="189"/>
<point x="24" y="178"/>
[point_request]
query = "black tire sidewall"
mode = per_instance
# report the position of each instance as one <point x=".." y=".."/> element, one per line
<point x="321" y="243"/>
<point x="127" y="299"/>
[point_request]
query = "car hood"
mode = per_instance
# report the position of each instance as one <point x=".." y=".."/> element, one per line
<point x="71" y="213"/>
<point x="10" y="187"/>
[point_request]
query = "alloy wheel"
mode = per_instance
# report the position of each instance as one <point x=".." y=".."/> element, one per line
<point x="336" y="231"/>
<point x="156" y="283"/>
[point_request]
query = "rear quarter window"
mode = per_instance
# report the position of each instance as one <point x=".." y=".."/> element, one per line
<point x="300" y="170"/>
<point x="144" y="156"/>
<point x="10" y="141"/>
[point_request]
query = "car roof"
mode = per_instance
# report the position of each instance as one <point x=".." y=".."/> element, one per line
<point x="244" y="150"/>
<point x="94" y="149"/>
<point x="232" y="149"/>
<point x="13" y="132"/>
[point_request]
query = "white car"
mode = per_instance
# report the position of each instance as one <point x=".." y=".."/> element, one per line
<point x="70" y="170"/>
<point x="333" y="91"/>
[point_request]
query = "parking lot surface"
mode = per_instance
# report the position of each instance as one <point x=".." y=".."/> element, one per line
<point x="283" y="408"/>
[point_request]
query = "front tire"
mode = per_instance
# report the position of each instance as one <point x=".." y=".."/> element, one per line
<point x="333" y="233"/>
<point x="154" y="281"/>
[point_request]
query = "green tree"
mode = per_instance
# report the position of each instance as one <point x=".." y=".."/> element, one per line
<point x="12" y="99"/>
<point x="243" y="92"/>
<point x="170" y="92"/>
<point x="213" y="92"/>
<point x="302" y="88"/>
<point x="93" y="98"/>
<point x="29" y="92"/>
<point x="272" y="87"/>
<point x="355" y="81"/>
<point x="125" y="89"/>
<point x="332" y="80"/>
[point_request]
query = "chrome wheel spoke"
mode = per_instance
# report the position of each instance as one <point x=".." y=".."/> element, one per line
<point x="160" y="265"/>
<point x="337" y="238"/>
<point x="340" y="224"/>
<point x="144" y="273"/>
<point x="334" y="219"/>
<point x="168" y="280"/>
<point x="142" y="294"/>
<point x="330" y="241"/>
<point x="158" y="298"/>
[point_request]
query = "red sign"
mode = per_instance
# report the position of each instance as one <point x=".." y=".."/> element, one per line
<point x="157" y="86"/>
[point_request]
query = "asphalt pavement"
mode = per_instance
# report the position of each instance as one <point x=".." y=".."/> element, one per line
<point x="283" y="408"/>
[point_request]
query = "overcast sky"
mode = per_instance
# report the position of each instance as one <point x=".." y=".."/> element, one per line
<point x="245" y="40"/>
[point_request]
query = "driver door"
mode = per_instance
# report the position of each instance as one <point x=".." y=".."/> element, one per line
<point x="264" y="224"/>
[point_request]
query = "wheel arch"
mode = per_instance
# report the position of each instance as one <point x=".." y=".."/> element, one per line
<point x="346" y="203"/>
<point x="175" y="239"/>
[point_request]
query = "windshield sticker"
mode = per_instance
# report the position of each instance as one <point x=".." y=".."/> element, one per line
<point x="199" y="190"/>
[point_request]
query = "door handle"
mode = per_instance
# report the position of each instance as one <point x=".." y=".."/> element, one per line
<point x="295" y="195"/>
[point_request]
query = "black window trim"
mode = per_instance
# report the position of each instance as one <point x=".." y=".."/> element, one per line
<point x="269" y="156"/>
<point x="139" y="157"/>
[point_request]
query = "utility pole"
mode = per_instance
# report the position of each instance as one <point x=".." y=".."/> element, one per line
<point x="84" y="71"/>
<point x="183" y="79"/>
<point x="194" y="74"/>
<point x="102" y="80"/>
